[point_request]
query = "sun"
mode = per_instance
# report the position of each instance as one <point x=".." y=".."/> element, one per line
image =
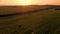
<point x="25" y="2"/>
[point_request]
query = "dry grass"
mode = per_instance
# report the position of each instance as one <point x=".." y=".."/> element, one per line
<point x="43" y="22"/>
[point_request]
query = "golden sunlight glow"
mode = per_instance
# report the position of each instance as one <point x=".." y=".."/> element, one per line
<point x="25" y="2"/>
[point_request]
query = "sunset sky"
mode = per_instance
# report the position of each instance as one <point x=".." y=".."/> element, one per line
<point x="31" y="2"/>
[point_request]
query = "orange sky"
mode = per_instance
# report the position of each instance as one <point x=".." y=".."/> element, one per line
<point x="35" y="2"/>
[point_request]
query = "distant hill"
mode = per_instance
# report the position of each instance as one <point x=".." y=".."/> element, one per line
<point x="21" y="10"/>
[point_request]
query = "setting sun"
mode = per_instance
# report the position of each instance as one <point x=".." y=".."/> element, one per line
<point x="25" y="2"/>
<point x="29" y="2"/>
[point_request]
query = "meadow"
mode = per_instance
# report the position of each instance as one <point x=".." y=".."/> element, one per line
<point x="42" y="21"/>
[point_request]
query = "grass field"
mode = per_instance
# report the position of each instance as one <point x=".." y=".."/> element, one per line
<point x="41" y="22"/>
